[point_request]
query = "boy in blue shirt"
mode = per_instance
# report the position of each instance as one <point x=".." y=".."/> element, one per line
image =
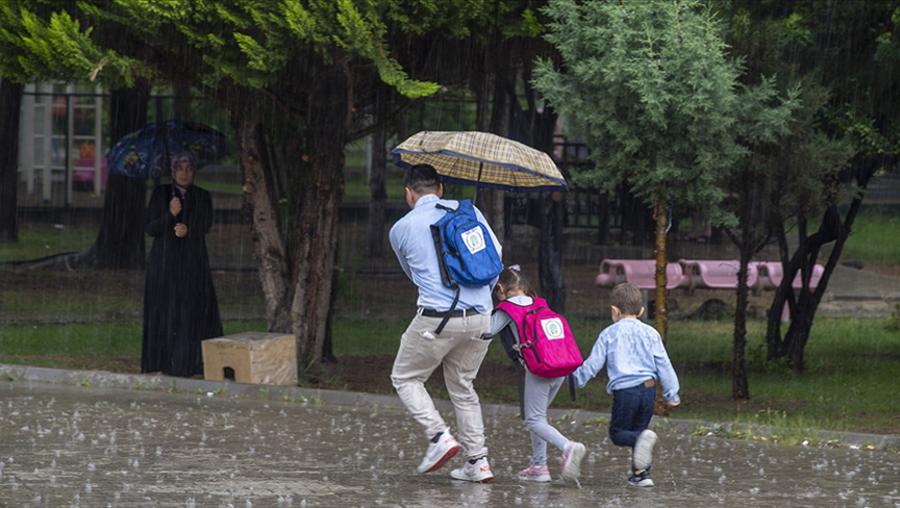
<point x="635" y="360"/>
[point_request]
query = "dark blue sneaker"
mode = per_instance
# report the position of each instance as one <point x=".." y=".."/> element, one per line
<point x="641" y="479"/>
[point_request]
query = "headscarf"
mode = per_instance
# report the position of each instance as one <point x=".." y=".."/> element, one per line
<point x="177" y="160"/>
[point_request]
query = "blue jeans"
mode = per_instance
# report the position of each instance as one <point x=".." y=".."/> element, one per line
<point x="631" y="413"/>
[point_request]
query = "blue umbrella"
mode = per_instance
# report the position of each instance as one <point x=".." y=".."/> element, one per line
<point x="146" y="153"/>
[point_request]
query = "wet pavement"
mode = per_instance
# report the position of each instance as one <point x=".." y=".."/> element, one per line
<point x="88" y="446"/>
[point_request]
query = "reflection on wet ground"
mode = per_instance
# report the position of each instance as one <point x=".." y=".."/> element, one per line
<point x="82" y="446"/>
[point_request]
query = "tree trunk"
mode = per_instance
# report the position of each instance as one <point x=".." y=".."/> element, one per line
<point x="297" y="283"/>
<point x="10" y="111"/>
<point x="662" y="319"/>
<point x="535" y="129"/>
<point x="798" y="336"/>
<point x="181" y="105"/>
<point x="377" y="191"/>
<point x="553" y="286"/>
<point x="740" y="388"/>
<point x="120" y="242"/>
<point x="805" y="302"/>
<point x="803" y="314"/>
<point x="315" y="260"/>
<point x="328" y="355"/>
<point x="603" y="226"/>
<point x="260" y="199"/>
<point x="322" y="187"/>
<point x="783" y="296"/>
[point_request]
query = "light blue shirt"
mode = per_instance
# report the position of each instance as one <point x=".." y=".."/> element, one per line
<point x="633" y="353"/>
<point x="414" y="246"/>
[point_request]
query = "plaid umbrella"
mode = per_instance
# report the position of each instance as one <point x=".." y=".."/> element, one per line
<point x="483" y="159"/>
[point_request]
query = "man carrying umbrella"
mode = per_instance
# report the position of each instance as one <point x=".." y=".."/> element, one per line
<point x="446" y="330"/>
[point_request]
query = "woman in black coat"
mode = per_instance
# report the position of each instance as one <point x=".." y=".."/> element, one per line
<point x="180" y="307"/>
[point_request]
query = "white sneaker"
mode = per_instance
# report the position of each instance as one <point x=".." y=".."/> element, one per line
<point x="643" y="450"/>
<point x="438" y="453"/>
<point x="479" y="472"/>
<point x="572" y="454"/>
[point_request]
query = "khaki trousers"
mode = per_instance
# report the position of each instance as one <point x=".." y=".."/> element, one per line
<point x="460" y="349"/>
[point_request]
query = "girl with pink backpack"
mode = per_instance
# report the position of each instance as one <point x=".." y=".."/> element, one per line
<point x="539" y="340"/>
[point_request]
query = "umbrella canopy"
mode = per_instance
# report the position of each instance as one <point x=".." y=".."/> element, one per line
<point x="481" y="158"/>
<point x="146" y="153"/>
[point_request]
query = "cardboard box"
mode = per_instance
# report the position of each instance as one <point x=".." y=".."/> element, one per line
<point x="251" y="357"/>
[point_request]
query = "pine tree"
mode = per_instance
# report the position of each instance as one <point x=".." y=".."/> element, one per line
<point x="651" y="88"/>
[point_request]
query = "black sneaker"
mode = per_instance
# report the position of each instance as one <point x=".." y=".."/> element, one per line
<point x="641" y="479"/>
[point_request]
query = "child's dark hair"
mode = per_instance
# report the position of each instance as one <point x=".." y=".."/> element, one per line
<point x="512" y="279"/>
<point x="422" y="179"/>
<point x="627" y="297"/>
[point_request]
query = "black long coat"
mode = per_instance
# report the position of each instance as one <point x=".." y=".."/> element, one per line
<point x="180" y="306"/>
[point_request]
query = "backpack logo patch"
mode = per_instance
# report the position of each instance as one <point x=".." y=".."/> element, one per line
<point x="474" y="240"/>
<point x="553" y="328"/>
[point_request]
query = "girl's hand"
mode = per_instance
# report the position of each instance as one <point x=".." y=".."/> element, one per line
<point x="174" y="206"/>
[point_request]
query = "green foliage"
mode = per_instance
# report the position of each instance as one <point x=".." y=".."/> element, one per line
<point x="364" y="35"/>
<point x="249" y="42"/>
<point x="527" y="25"/>
<point x="651" y="88"/>
<point x="33" y="47"/>
<point x="856" y="56"/>
<point x="795" y="28"/>
<point x="828" y="56"/>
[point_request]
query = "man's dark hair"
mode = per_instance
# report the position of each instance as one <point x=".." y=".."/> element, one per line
<point x="422" y="179"/>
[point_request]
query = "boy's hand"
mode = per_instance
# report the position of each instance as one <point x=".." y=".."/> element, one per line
<point x="673" y="403"/>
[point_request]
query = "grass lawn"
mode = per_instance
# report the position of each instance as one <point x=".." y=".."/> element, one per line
<point x="850" y="363"/>
<point x="39" y="240"/>
<point x="875" y="238"/>
<point x="224" y="187"/>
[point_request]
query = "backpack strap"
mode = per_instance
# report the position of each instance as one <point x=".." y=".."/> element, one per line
<point x="439" y="249"/>
<point x="524" y="344"/>
<point x="520" y="382"/>
<point x="446" y="207"/>
<point x="508" y="339"/>
<point x="440" y="328"/>
<point x="570" y="380"/>
<point x="445" y="274"/>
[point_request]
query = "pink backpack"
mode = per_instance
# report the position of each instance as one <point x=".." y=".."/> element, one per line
<point x="546" y="344"/>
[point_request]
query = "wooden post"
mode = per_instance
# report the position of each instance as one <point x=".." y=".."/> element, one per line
<point x="98" y="140"/>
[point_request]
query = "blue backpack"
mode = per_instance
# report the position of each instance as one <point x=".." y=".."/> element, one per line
<point x="465" y="249"/>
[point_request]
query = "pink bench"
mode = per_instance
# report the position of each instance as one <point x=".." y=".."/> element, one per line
<point x="640" y="272"/>
<point x="717" y="273"/>
<point x="774" y="272"/>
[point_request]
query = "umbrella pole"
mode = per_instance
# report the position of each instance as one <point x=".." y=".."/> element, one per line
<point x="475" y="197"/>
